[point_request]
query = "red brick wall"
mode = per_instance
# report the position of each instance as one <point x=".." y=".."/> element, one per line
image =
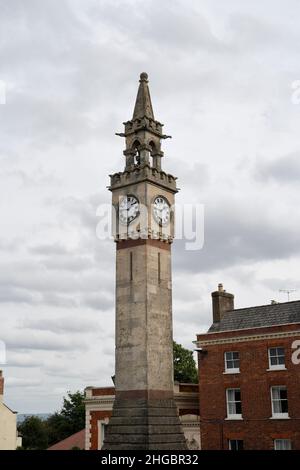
<point x="95" y="416"/>
<point x="257" y="430"/>
<point x="102" y="391"/>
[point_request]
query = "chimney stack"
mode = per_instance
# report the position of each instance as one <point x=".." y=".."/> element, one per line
<point x="1" y="386"/>
<point x="222" y="302"/>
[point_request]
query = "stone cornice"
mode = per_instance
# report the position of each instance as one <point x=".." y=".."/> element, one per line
<point x="141" y="174"/>
<point x="249" y="337"/>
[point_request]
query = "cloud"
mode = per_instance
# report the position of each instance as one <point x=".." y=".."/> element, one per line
<point x="15" y="295"/>
<point x="224" y="95"/>
<point x="283" y="170"/>
<point x="61" y="325"/>
<point x="23" y="359"/>
<point x="22" y="382"/>
<point x="42" y="340"/>
<point x="236" y="235"/>
<point x="49" y="249"/>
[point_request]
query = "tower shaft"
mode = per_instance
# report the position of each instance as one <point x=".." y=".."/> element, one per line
<point x="144" y="413"/>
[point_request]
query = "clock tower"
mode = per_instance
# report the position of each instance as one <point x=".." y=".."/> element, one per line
<point x="144" y="413"/>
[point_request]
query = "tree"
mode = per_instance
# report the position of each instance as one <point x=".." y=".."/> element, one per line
<point x="185" y="369"/>
<point x="34" y="433"/>
<point x="57" y="428"/>
<point x="73" y="410"/>
<point x="69" y="420"/>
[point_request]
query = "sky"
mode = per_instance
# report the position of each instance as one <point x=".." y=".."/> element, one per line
<point x="223" y="79"/>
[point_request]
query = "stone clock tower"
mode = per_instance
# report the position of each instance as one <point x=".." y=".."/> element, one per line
<point x="144" y="414"/>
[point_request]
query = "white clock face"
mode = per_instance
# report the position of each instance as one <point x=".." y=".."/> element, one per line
<point x="161" y="210"/>
<point x="128" y="209"/>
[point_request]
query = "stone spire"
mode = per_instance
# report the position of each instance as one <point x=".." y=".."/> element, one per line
<point x="143" y="105"/>
<point x="143" y="134"/>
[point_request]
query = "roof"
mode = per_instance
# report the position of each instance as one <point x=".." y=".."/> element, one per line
<point x="14" y="412"/>
<point x="257" y="317"/>
<point x="76" y="440"/>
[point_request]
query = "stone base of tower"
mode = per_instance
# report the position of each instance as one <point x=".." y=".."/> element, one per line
<point x="144" y="424"/>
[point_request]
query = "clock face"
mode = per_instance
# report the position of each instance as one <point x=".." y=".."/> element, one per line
<point x="161" y="210"/>
<point x="128" y="209"/>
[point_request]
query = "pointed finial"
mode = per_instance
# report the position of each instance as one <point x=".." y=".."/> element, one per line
<point x="143" y="105"/>
<point x="144" y="77"/>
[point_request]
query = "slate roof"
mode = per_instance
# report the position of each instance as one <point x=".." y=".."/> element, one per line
<point x="255" y="317"/>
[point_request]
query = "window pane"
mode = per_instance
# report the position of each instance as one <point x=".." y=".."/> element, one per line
<point x="240" y="445"/>
<point x="281" y="360"/>
<point x="276" y="407"/>
<point x="232" y="409"/>
<point x="284" y="406"/>
<point x="238" y="408"/>
<point x="283" y="394"/>
<point x="279" y="400"/>
<point x="275" y="393"/>
<point x="234" y="405"/>
<point x="236" y="444"/>
<point x="282" y="444"/>
<point x="232" y="360"/>
<point x="236" y="364"/>
<point x="273" y="361"/>
<point x="277" y="356"/>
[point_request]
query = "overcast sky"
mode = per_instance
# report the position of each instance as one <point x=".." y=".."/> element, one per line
<point x="221" y="76"/>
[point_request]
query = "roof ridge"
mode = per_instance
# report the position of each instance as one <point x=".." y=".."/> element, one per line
<point x="265" y="305"/>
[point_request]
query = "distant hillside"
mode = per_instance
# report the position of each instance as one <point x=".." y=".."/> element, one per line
<point x="21" y="417"/>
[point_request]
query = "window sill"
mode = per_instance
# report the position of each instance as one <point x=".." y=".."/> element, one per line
<point x="272" y="369"/>
<point x="233" y="371"/>
<point x="283" y="416"/>
<point x="234" y="418"/>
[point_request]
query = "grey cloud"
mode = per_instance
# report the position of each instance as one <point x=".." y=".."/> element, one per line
<point x="11" y="294"/>
<point x="40" y="280"/>
<point x="56" y="300"/>
<point x="22" y="382"/>
<point x="42" y="341"/>
<point x="10" y="245"/>
<point x="49" y="249"/>
<point x="101" y="302"/>
<point x="22" y="360"/>
<point x="62" y="324"/>
<point x="285" y="169"/>
<point x="186" y="27"/>
<point x="39" y="178"/>
<point x="231" y="238"/>
<point x="68" y="263"/>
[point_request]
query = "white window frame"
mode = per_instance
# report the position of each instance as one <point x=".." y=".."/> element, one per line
<point x="235" y="415"/>
<point x="101" y="424"/>
<point x="231" y="370"/>
<point x="276" y="366"/>
<point x="278" y="442"/>
<point x="274" y="414"/>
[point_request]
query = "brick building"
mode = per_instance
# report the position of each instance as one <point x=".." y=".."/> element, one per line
<point x="99" y="403"/>
<point x="249" y="376"/>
